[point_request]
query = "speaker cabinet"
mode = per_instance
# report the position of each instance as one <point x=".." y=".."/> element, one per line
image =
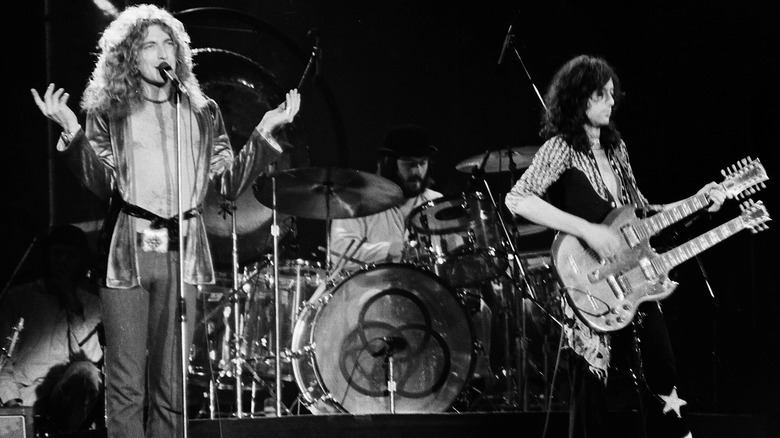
<point x="16" y="422"/>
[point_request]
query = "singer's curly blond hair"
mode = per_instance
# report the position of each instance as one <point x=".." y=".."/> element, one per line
<point x="114" y="87"/>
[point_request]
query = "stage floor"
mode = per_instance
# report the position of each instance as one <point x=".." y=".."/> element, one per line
<point x="449" y="425"/>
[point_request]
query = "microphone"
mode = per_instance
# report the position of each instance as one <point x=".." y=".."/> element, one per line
<point x="478" y="170"/>
<point x="317" y="52"/>
<point x="482" y="165"/>
<point x="395" y="343"/>
<point x="168" y="74"/>
<point x="391" y="345"/>
<point x="507" y="44"/>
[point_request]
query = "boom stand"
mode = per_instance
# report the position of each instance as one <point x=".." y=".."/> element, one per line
<point x="526" y="291"/>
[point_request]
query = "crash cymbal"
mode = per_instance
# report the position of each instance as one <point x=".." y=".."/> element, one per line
<point x="499" y="161"/>
<point x="328" y="193"/>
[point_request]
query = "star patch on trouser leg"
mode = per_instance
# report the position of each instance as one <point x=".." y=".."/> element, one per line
<point x="673" y="403"/>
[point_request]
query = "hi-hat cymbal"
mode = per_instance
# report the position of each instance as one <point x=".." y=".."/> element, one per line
<point x="499" y="161"/>
<point x="328" y="192"/>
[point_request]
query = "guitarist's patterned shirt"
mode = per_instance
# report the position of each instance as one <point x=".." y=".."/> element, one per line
<point x="570" y="180"/>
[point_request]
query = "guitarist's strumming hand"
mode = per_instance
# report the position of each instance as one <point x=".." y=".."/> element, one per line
<point x="603" y="240"/>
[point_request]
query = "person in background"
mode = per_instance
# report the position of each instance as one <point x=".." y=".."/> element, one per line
<point x="56" y="365"/>
<point x="405" y="159"/>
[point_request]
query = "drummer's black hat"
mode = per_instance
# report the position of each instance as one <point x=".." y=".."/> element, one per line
<point x="407" y="141"/>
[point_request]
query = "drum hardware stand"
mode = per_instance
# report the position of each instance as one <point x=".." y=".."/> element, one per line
<point x="391" y="345"/>
<point x="277" y="306"/>
<point x="526" y="291"/>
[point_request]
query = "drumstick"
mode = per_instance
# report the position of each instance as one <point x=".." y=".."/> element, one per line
<point x="321" y="287"/>
<point x="345" y="256"/>
<point x="337" y="267"/>
<point x="348" y="258"/>
<point x="351" y="256"/>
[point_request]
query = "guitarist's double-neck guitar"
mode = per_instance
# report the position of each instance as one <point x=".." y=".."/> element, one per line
<point x="605" y="294"/>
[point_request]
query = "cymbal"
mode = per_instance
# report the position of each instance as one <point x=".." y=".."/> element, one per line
<point x="328" y="192"/>
<point x="253" y="228"/>
<point x="498" y="161"/>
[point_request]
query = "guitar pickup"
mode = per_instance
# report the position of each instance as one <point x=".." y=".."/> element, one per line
<point x="616" y="287"/>
<point x="648" y="269"/>
<point x="630" y="235"/>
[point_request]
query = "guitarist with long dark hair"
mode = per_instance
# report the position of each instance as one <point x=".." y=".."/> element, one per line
<point x="580" y="174"/>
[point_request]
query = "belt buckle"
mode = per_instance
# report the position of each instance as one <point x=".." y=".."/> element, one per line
<point x="154" y="239"/>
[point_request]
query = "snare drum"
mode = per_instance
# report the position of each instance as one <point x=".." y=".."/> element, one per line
<point x="346" y="335"/>
<point x="458" y="238"/>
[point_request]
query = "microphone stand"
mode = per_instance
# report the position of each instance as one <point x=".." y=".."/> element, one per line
<point x="528" y="75"/>
<point x="525" y="292"/>
<point x="716" y="304"/>
<point x="19" y="266"/>
<point x="182" y="299"/>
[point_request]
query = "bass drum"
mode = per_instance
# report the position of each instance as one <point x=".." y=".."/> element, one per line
<point x="345" y="337"/>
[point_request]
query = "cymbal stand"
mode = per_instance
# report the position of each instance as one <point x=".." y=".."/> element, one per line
<point x="238" y="330"/>
<point x="526" y="291"/>
<point x="328" y="221"/>
<point x="277" y="305"/>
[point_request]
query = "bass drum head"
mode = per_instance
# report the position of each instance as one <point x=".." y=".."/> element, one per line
<point x="390" y="311"/>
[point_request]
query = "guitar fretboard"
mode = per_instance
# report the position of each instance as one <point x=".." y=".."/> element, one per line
<point x="651" y="226"/>
<point x="693" y="247"/>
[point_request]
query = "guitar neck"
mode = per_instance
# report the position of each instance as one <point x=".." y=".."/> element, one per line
<point x="657" y="222"/>
<point x="695" y="246"/>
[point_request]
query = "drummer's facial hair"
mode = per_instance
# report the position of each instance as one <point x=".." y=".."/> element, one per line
<point x="412" y="185"/>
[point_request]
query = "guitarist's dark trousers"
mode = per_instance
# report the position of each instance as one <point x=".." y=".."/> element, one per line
<point x="641" y="352"/>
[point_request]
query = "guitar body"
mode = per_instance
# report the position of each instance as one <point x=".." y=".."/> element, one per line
<point x="606" y="296"/>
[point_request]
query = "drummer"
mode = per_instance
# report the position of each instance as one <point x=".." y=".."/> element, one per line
<point x="405" y="159"/>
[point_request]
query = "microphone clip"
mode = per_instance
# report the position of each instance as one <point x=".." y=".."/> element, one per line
<point x="478" y="171"/>
<point x="167" y="73"/>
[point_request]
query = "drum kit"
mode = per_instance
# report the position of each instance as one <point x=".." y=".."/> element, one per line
<point x="392" y="337"/>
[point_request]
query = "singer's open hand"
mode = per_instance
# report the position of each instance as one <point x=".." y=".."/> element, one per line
<point x="283" y="114"/>
<point x="54" y="105"/>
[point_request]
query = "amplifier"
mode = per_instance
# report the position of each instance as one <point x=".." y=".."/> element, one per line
<point x="16" y="422"/>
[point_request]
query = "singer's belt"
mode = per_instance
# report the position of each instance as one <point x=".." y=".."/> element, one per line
<point x="171" y="224"/>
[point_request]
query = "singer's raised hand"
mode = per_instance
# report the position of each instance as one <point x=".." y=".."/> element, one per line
<point x="283" y="114"/>
<point x="54" y="105"/>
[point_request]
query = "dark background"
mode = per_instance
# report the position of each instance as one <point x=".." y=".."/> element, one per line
<point x="701" y="93"/>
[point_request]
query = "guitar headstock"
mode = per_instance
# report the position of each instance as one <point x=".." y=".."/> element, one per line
<point x="744" y="178"/>
<point x="754" y="215"/>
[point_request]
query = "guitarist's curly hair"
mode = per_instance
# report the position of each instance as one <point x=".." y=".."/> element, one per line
<point x="567" y="100"/>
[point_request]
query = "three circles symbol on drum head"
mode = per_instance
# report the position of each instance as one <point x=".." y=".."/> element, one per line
<point x="422" y="358"/>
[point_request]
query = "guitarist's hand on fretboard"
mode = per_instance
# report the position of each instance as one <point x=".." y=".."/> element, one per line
<point x="716" y="194"/>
